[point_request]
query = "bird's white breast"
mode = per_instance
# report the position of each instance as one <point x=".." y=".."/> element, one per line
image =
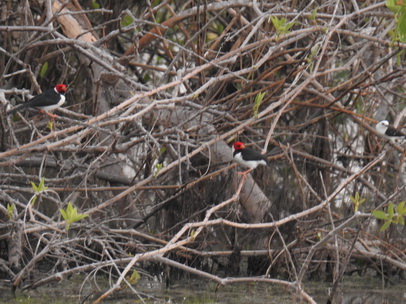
<point x="252" y="164"/>
<point x="55" y="106"/>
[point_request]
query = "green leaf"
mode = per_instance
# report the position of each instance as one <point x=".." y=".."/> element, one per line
<point x="398" y="8"/>
<point x="314" y="51"/>
<point x="41" y="186"/>
<point x="313" y="14"/>
<point x="357" y="200"/>
<point x="135" y="277"/>
<point x="258" y="100"/>
<point x="38" y="189"/>
<point x="380" y="215"/>
<point x="400" y="208"/>
<point x="44" y="70"/>
<point x="390" y="217"/>
<point x="353" y="199"/>
<point x="10" y="211"/>
<point x="391" y="210"/>
<point x="71" y="215"/>
<point x="393" y="6"/>
<point x="34" y="187"/>
<point x="95" y="5"/>
<point x="79" y="217"/>
<point x="126" y="21"/>
<point x="64" y="214"/>
<point x="158" y="168"/>
<point x="385" y="225"/>
<point x="220" y="28"/>
<point x="42" y="183"/>
<point x="50" y="125"/>
<point x="193" y="234"/>
<point x="401" y="26"/>
<point x="281" y="25"/>
<point x="210" y="36"/>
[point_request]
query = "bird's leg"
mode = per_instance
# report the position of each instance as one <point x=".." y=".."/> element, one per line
<point x="244" y="172"/>
<point x="52" y="116"/>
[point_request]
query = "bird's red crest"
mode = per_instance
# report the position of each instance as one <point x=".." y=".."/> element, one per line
<point x="61" y="88"/>
<point x="238" y="145"/>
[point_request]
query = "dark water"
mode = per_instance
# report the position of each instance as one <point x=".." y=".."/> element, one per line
<point x="365" y="291"/>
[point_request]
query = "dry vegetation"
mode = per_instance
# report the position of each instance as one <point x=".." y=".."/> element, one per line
<point x="156" y="94"/>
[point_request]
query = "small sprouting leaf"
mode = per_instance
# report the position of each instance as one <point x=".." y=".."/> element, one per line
<point x="281" y="25"/>
<point x="380" y="215"/>
<point x="41" y="186"/>
<point x="38" y="189"/>
<point x="50" y="125"/>
<point x="78" y="217"/>
<point x="258" y="101"/>
<point x="391" y="210"/>
<point x="313" y="14"/>
<point x="211" y="36"/>
<point x="135" y="277"/>
<point x="354" y="199"/>
<point x="314" y="50"/>
<point x="34" y="187"/>
<point x="391" y="217"/>
<point x="193" y="234"/>
<point x="10" y="211"/>
<point x="126" y="21"/>
<point x="64" y="214"/>
<point x="220" y="28"/>
<point x="158" y="168"/>
<point x="71" y="215"/>
<point x="95" y="5"/>
<point x="357" y="200"/>
<point x="42" y="183"/>
<point x="385" y="226"/>
<point x="401" y="208"/>
<point x="44" y="70"/>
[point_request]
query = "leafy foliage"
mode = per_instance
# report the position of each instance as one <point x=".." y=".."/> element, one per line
<point x="10" y="211"/>
<point x="50" y="124"/>
<point x="390" y="216"/>
<point x="258" y="100"/>
<point x="127" y="20"/>
<point x="71" y="215"/>
<point x="398" y="7"/>
<point x="95" y="4"/>
<point x="135" y="277"/>
<point x="44" y="70"/>
<point x="38" y="189"/>
<point x="313" y="14"/>
<point x="158" y="168"/>
<point x="281" y="25"/>
<point x="357" y="201"/>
